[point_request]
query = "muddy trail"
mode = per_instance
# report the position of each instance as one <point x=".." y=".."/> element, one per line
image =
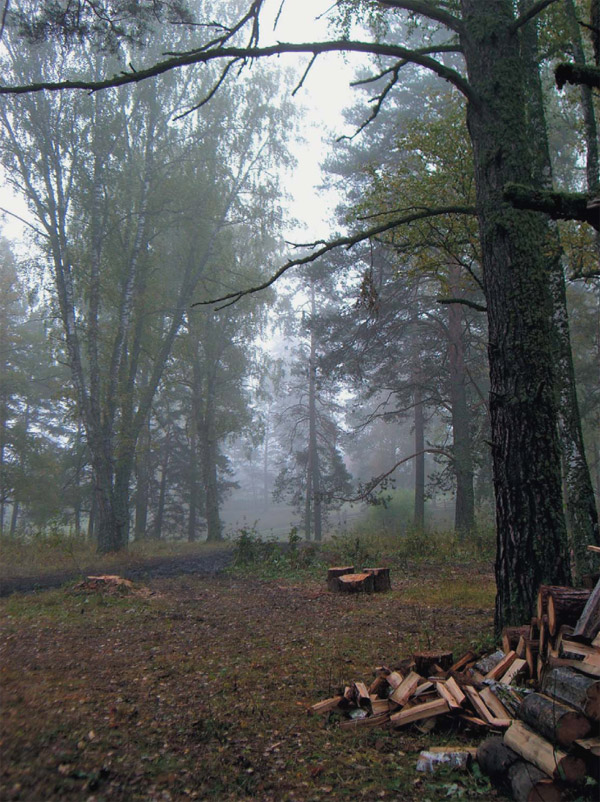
<point x="208" y="564"/>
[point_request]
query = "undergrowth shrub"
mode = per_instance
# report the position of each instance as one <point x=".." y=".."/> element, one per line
<point x="251" y="551"/>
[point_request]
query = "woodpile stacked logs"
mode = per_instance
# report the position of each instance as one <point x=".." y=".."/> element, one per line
<point x="540" y="694"/>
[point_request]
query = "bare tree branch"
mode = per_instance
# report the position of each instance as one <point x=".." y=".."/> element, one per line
<point x="464" y="302"/>
<point x="204" y="55"/>
<point x="347" y="242"/>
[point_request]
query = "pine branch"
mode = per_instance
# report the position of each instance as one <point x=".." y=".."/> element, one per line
<point x="204" y="56"/>
<point x="342" y="242"/>
<point x="532" y="12"/>
<point x="558" y="205"/>
<point x="464" y="302"/>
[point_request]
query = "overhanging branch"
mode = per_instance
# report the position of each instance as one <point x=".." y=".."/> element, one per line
<point x="426" y="9"/>
<point x="531" y="12"/>
<point x="558" y="205"/>
<point x="579" y="74"/>
<point x="342" y="242"/>
<point x="464" y="302"/>
<point x="204" y="56"/>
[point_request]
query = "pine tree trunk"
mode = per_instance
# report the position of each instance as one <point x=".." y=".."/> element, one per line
<point x="531" y="530"/>
<point x="162" y="493"/>
<point x="313" y="451"/>
<point x="142" y="460"/>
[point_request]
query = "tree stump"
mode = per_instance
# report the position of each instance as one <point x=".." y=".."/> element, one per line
<point x="381" y="579"/>
<point x="333" y="574"/>
<point x="430" y="662"/>
<point x="355" y="583"/>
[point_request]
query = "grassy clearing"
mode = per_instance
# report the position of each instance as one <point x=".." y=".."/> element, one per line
<point x="200" y="691"/>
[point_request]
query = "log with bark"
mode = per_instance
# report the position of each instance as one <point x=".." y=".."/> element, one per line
<point x="565" y="606"/>
<point x="381" y="579"/>
<point x="334" y="573"/>
<point x="355" y="583"/>
<point x="574" y="689"/>
<point x="511" y="636"/>
<point x="555" y="721"/>
<point x="508" y="770"/>
<point x="537" y="750"/>
<point x="588" y="624"/>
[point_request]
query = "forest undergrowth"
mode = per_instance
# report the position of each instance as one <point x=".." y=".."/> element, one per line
<point x="200" y="690"/>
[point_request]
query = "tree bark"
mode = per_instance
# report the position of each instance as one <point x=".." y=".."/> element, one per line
<point x="419" y="420"/>
<point x="142" y="461"/>
<point x="313" y="450"/>
<point x="531" y="530"/>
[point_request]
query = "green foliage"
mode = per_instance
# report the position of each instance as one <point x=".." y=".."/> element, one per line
<point x="271" y="558"/>
<point x="390" y="517"/>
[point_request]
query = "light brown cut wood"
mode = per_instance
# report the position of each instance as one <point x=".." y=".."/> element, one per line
<point x="553" y="720"/>
<point x="380" y="706"/>
<point x="520" y="650"/>
<point x="355" y="583"/>
<point x="361" y="695"/>
<point x="588" y="624"/>
<point x="395" y="679"/>
<point x="380" y="720"/>
<point x="502" y="667"/>
<point x="379" y="686"/>
<point x="488" y="662"/>
<point x="455" y="690"/>
<point x="381" y="579"/>
<point x="407" y="687"/>
<point x="326" y="705"/>
<point x="509" y="697"/>
<point x="537" y="750"/>
<point x="483" y="711"/>
<point x="532" y="648"/>
<point x="565" y="606"/>
<point x="574" y="689"/>
<point x="510" y="637"/>
<point x="516" y="669"/>
<point x="594" y="548"/>
<point x="334" y="573"/>
<point x="472" y="720"/>
<point x="428" y="710"/>
<point x="445" y="693"/>
<point x="468" y="657"/>
<point x="494" y="704"/>
<point x="571" y="647"/>
<point x="578" y="665"/>
<point x="424" y="688"/>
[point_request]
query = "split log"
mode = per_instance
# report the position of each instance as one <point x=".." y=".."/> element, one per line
<point x="516" y="669"/>
<point x="395" y="679"/>
<point x="494" y="704"/>
<point x="407" y="687"/>
<point x="537" y="750"/>
<point x="327" y="705"/>
<point x="578" y="665"/>
<point x="520" y="650"/>
<point x="487" y="663"/>
<point x="381" y="578"/>
<point x="379" y="687"/>
<point x="419" y="712"/>
<point x="532" y="648"/>
<point x="572" y="648"/>
<point x="368" y="722"/>
<point x="334" y="573"/>
<point x="425" y="662"/>
<point x="553" y="720"/>
<point x="588" y="624"/>
<point x="355" y="583"/>
<point x="445" y="693"/>
<point x="482" y="710"/>
<point x="505" y="767"/>
<point x="380" y="706"/>
<point x="542" y="598"/>
<point x="574" y="689"/>
<point x="508" y="696"/>
<point x="502" y="667"/>
<point x="565" y="606"/>
<point x="463" y="662"/>
<point x="511" y="635"/>
<point x="361" y="696"/>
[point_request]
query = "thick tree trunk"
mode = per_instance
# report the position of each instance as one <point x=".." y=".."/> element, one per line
<point x="532" y="540"/>
<point x="582" y="516"/>
<point x="142" y="460"/>
<point x="209" y="456"/>
<point x="464" y="516"/>
<point x="162" y="493"/>
<point x="313" y="450"/>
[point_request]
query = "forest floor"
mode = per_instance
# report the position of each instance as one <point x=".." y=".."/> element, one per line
<point x="197" y="687"/>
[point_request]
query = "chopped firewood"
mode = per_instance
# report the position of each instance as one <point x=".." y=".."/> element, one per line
<point x="577" y="690"/>
<point x="380" y="706"/>
<point x="565" y="606"/>
<point x="537" y="750"/>
<point x="494" y="704"/>
<point x="520" y="650"/>
<point x="445" y="693"/>
<point x="473" y="721"/>
<point x="361" y="696"/>
<point x="507" y="769"/>
<point x="490" y="661"/>
<point x="508" y="696"/>
<point x="469" y="657"/>
<point x="379" y="686"/>
<point x="517" y="668"/>
<point x="394" y="679"/>
<point x="596" y="641"/>
<point x="594" y="548"/>
<point x="436" y="708"/>
<point x="544" y="635"/>
<point x="327" y="705"/>
<point x="455" y="690"/>
<point x="542" y="598"/>
<point x="502" y="667"/>
<point x="578" y="665"/>
<point x="511" y="635"/>
<point x="333" y="574"/>
<point x="532" y="648"/>
<point x="405" y="690"/>
<point x="381" y="579"/>
<point x="368" y="722"/>
<point x="553" y="720"/>
<point x="482" y="710"/>
<point x="456" y="758"/>
<point x="495" y="757"/>
<point x="355" y="583"/>
<point x="425" y="661"/>
<point x="425" y="687"/>
<point x="571" y="647"/>
<point x="588" y="624"/>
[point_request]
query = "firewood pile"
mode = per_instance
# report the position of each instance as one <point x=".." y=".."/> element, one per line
<point x="540" y="695"/>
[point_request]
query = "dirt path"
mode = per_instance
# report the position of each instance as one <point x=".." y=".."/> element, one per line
<point x="157" y="567"/>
